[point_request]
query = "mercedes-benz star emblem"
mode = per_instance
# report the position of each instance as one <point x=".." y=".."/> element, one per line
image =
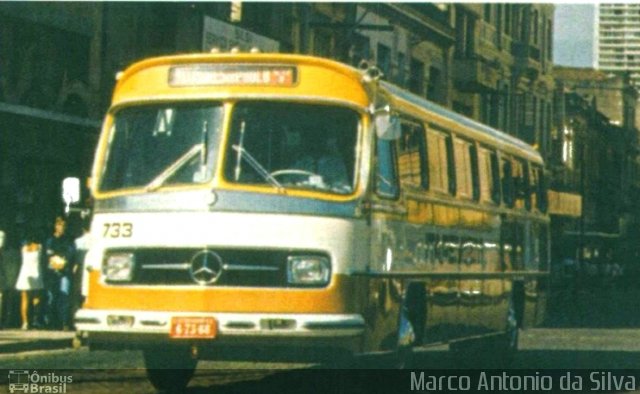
<point x="206" y="267"/>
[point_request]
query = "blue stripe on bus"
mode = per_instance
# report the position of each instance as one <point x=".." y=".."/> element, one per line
<point x="226" y="201"/>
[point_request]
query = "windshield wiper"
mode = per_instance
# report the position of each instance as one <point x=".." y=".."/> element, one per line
<point x="174" y="167"/>
<point x="244" y="154"/>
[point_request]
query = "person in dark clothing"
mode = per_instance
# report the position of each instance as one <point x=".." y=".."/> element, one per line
<point x="58" y="268"/>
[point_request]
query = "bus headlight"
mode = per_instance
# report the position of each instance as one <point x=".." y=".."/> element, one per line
<point x="118" y="267"/>
<point x="308" y="270"/>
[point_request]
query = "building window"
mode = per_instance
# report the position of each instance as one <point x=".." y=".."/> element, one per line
<point x="463" y="109"/>
<point x="322" y="44"/>
<point x="416" y="77"/>
<point x="465" y="37"/>
<point x="433" y="90"/>
<point x="384" y="60"/>
<point x="360" y="49"/>
<point x="550" y="41"/>
<point x="487" y="12"/>
<point x="567" y="147"/>
<point x="507" y="19"/>
<point x="534" y="27"/>
<point x="401" y="74"/>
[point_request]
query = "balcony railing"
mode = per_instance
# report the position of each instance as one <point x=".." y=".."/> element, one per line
<point x="524" y="50"/>
<point x="490" y="36"/>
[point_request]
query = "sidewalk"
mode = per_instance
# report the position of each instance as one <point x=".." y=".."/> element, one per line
<point x="15" y="340"/>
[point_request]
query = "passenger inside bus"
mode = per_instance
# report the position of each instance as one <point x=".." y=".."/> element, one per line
<point x="271" y="143"/>
<point x="321" y="157"/>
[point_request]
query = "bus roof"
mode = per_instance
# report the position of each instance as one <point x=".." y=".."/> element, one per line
<point x="471" y="125"/>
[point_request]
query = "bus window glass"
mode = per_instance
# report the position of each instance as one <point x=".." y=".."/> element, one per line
<point x="296" y="146"/>
<point x="487" y="177"/>
<point x="411" y="160"/>
<point x="161" y="145"/>
<point x="438" y="168"/>
<point x="521" y="184"/>
<point x="534" y="182"/>
<point x="463" y="168"/>
<point x="475" y="177"/>
<point x="451" y="165"/>
<point x="507" y="182"/>
<point x="496" y="191"/>
<point x="538" y="189"/>
<point x="386" y="179"/>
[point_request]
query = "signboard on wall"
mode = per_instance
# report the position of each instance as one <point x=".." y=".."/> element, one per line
<point x="218" y="34"/>
<point x="564" y="204"/>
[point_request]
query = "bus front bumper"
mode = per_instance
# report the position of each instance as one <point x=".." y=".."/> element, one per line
<point x="124" y="328"/>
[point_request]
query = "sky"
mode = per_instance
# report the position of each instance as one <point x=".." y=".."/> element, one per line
<point x="573" y="35"/>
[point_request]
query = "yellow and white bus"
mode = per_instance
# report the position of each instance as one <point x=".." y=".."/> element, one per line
<point x="270" y="205"/>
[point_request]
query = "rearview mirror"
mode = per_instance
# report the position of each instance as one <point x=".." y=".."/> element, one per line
<point x="387" y="125"/>
<point x="70" y="191"/>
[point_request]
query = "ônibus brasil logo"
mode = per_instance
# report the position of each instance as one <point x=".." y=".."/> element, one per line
<point x="23" y="381"/>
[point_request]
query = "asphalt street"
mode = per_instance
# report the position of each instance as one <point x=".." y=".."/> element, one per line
<point x="542" y="350"/>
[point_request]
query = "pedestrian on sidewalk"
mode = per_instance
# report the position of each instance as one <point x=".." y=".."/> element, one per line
<point x="59" y="267"/>
<point x="30" y="283"/>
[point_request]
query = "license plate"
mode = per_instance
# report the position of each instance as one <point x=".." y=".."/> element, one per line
<point x="193" y="327"/>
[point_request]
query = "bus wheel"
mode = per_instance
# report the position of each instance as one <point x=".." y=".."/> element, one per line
<point x="169" y="371"/>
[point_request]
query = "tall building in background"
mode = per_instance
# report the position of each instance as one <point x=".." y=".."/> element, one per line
<point x="618" y="39"/>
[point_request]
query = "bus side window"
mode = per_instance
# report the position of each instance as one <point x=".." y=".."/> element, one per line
<point x="475" y="176"/>
<point x="386" y="178"/>
<point x="541" y="190"/>
<point x="521" y="184"/>
<point x="495" y="177"/>
<point x="412" y="166"/>
<point x="507" y="183"/>
<point x="451" y="165"/>
<point x="463" y="168"/>
<point x="438" y="169"/>
<point x="488" y="176"/>
<point x="537" y="188"/>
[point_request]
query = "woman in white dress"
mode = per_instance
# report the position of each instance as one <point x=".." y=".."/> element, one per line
<point x="29" y="280"/>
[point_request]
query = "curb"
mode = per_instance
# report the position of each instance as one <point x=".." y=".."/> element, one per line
<point x="15" y="344"/>
<point x="28" y="346"/>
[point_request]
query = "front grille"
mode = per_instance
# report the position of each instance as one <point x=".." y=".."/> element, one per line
<point x="250" y="268"/>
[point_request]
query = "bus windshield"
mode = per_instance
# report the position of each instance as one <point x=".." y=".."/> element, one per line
<point x="159" y="145"/>
<point x="293" y="146"/>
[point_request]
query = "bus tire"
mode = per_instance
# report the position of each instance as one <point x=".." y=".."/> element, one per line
<point x="169" y="371"/>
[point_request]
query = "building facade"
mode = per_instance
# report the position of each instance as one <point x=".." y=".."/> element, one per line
<point x="595" y="157"/>
<point x="49" y="109"/>
<point x="617" y="43"/>
<point x="503" y="71"/>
